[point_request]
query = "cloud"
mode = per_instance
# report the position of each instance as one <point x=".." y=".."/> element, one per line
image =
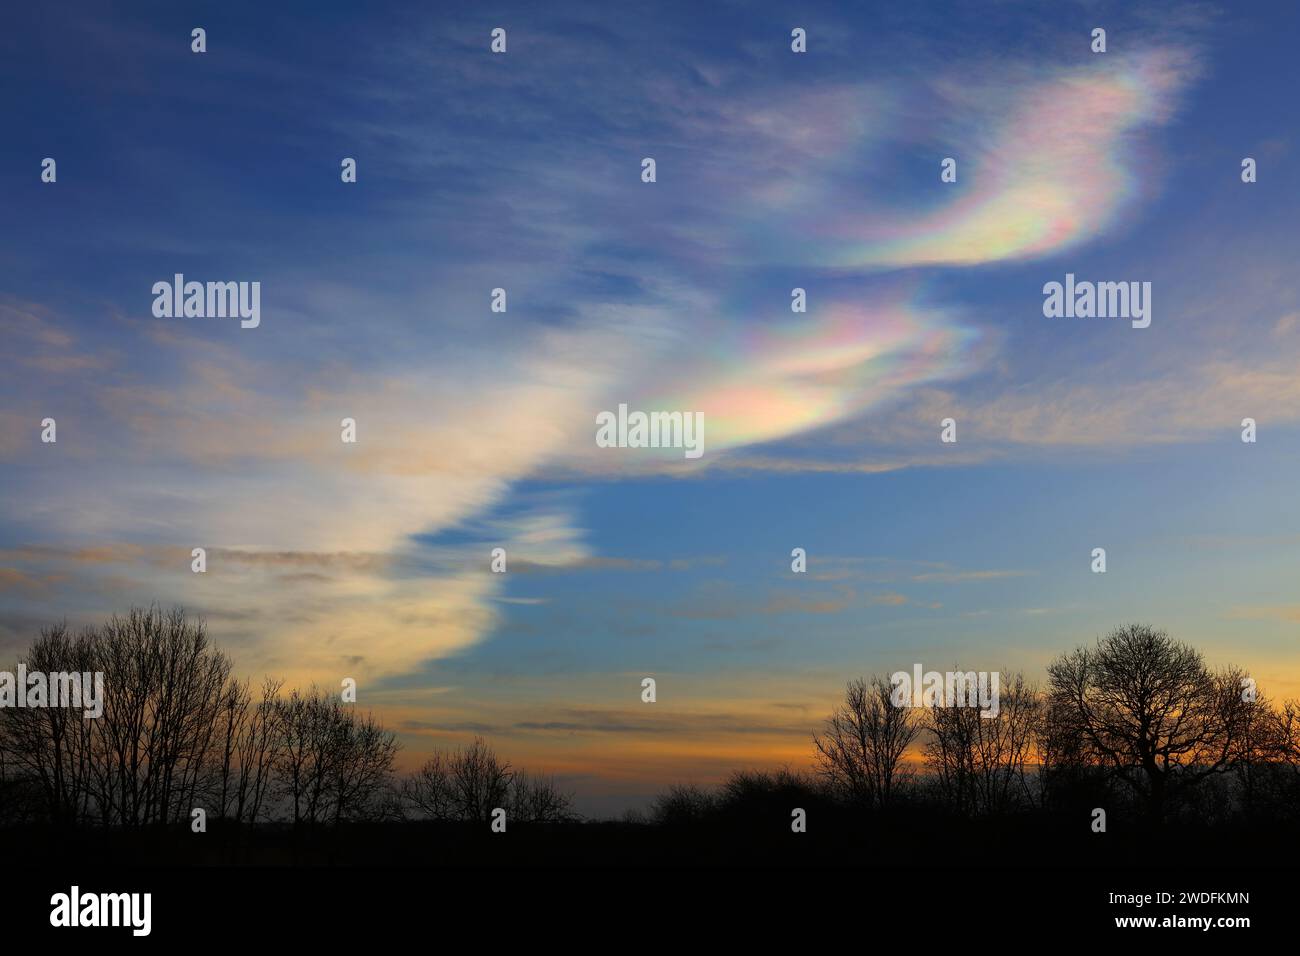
<point x="767" y="382"/>
<point x="697" y="723"/>
<point x="12" y="579"/>
<point x="1046" y="159"/>
<point x="191" y="434"/>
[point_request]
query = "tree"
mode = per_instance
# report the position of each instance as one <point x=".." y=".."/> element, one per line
<point x="254" y="752"/>
<point x="950" y="754"/>
<point x="146" y="759"/>
<point x="983" y="764"/>
<point x="683" y="805"/>
<point x="469" y="784"/>
<point x="333" y="763"/>
<point x="862" y="748"/>
<point x="480" y="781"/>
<point x="178" y="732"/>
<point x="430" y="790"/>
<point x="537" y="799"/>
<point x="1147" y="707"/>
<point x="363" y="768"/>
<point x="164" y="684"/>
<point x="1268" y="761"/>
<point x="1070" y="776"/>
<point x="50" y="748"/>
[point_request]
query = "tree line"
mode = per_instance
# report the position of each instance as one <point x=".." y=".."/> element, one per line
<point x="1136" y="723"/>
<point x="180" y="732"/>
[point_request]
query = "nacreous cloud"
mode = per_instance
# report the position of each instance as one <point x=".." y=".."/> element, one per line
<point x="1043" y="164"/>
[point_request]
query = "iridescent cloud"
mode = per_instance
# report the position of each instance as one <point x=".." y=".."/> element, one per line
<point x="1042" y="166"/>
<point x="762" y="382"/>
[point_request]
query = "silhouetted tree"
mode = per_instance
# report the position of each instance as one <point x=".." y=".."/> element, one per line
<point x="860" y="752"/>
<point x="429" y="790"/>
<point x="1070" y="776"/>
<point x="536" y="799"/>
<point x="950" y="754"/>
<point x="760" y="801"/>
<point x="480" y="781"/>
<point x="362" y="768"/>
<point x="51" y="747"/>
<point x="1258" y="750"/>
<point x="1006" y="746"/>
<point x="1269" y="761"/>
<point x="332" y="762"/>
<point x="249" y="752"/>
<point x="470" y="783"/>
<point x="683" y="805"/>
<point x="178" y="732"/>
<point x="163" y="689"/>
<point x="1147" y="707"/>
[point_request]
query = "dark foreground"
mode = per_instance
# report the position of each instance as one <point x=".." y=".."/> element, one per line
<point x="900" y="840"/>
<point x="905" y="878"/>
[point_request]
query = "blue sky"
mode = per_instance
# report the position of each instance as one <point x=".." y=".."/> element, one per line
<point x="774" y="170"/>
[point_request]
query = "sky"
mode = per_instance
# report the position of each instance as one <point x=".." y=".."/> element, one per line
<point x="774" y="170"/>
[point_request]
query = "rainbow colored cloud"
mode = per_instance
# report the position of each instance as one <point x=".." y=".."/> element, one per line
<point x="1046" y="160"/>
<point x="1042" y="166"/>
<point x="757" y="383"/>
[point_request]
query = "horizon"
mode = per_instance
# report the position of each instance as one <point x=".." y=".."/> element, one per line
<point x="925" y="689"/>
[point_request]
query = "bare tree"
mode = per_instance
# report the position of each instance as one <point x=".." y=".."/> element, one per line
<point x="1006" y="745"/>
<point x="986" y="764"/>
<point x="1068" y="769"/>
<point x="164" y="685"/>
<point x="1147" y="707"/>
<point x="480" y="781"/>
<point x="332" y="762"/>
<point x="469" y="784"/>
<point x="951" y="754"/>
<point x="537" y="799"/>
<point x="1267" y="760"/>
<point x="364" y="768"/>
<point x="860" y="753"/>
<point x="234" y="713"/>
<point x="683" y="805"/>
<point x="178" y="732"/>
<point x="256" y="754"/>
<point x="430" y="790"/>
<point x="1258" y="750"/>
<point x="51" y="747"/>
